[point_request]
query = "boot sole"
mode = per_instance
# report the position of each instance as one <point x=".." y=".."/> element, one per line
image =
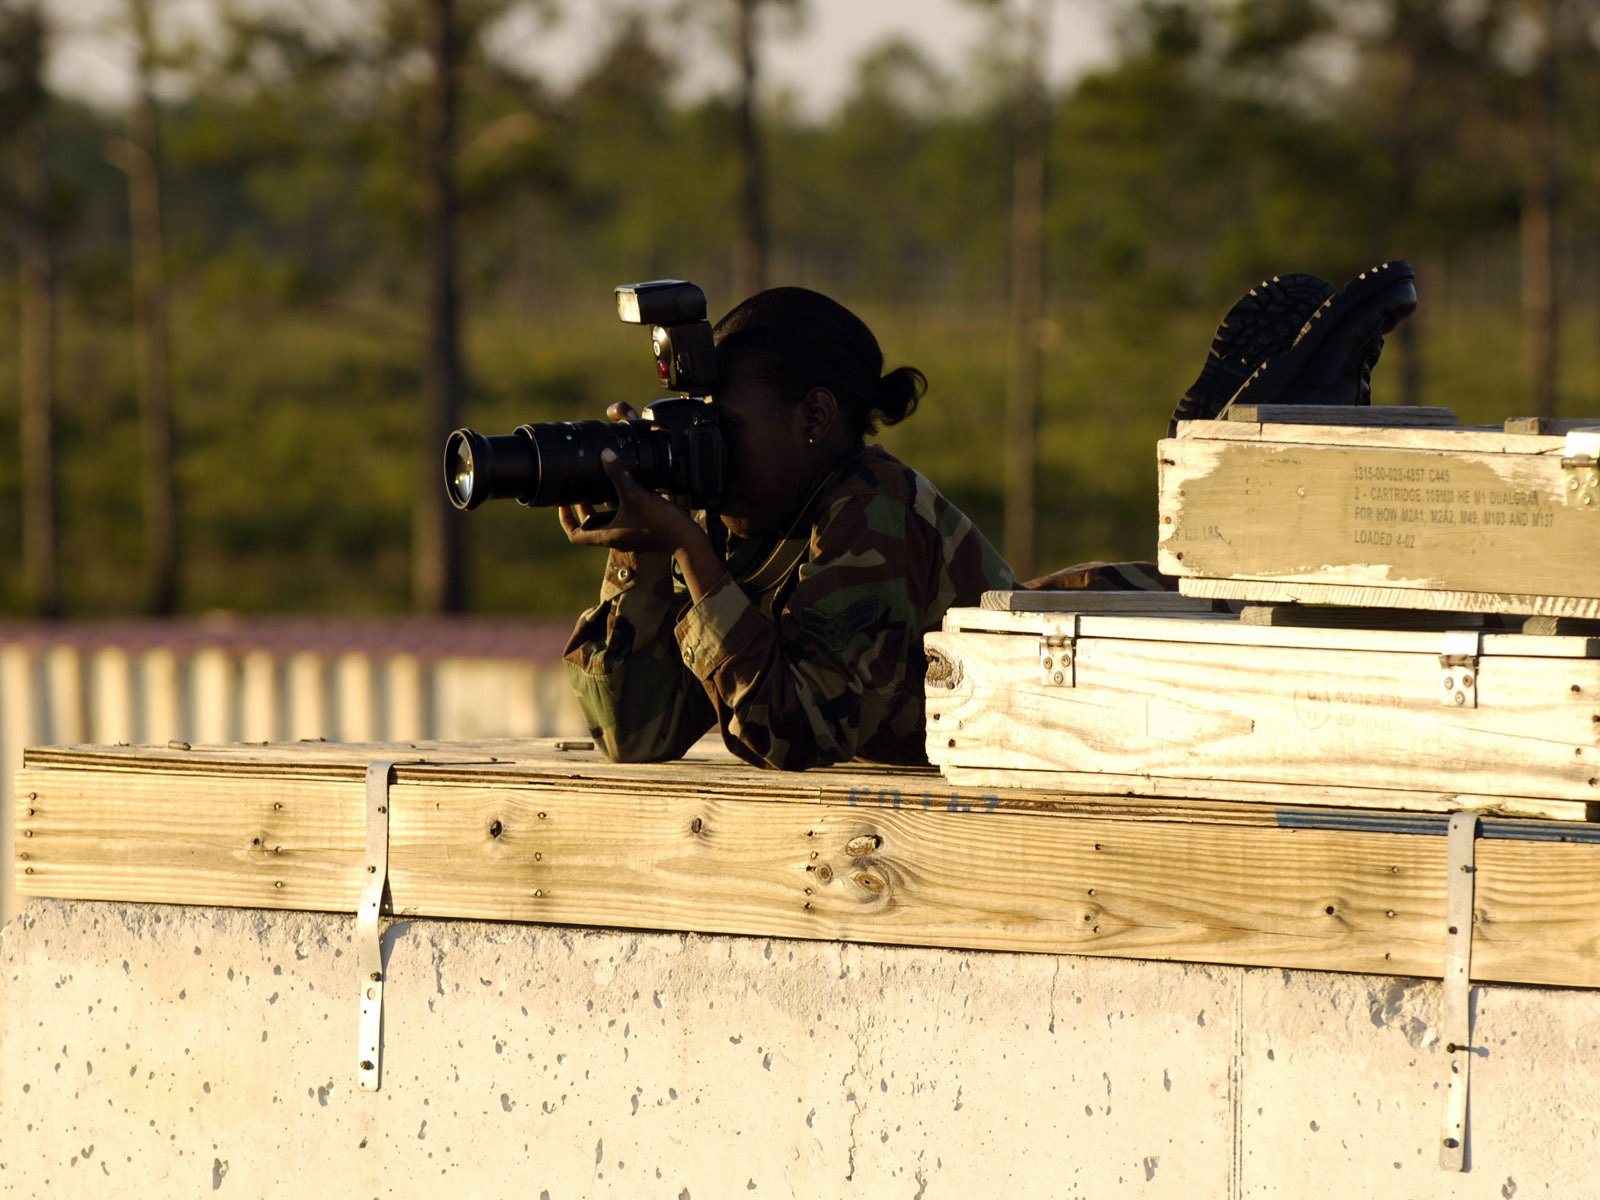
<point x="1381" y="297"/>
<point x="1262" y="324"/>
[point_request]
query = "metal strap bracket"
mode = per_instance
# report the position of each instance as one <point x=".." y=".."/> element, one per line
<point x="1458" y="669"/>
<point x="1459" y="899"/>
<point x="380" y="774"/>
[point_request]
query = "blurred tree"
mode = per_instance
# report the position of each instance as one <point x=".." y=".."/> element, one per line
<point x="24" y="38"/>
<point x="438" y="553"/>
<point x="894" y="197"/>
<point x="1027" y="30"/>
<point x="739" y="25"/>
<point x="1541" y="174"/>
<point x="750" y="254"/>
<point x="1433" y="92"/>
<point x="139" y="155"/>
<point x="1028" y="267"/>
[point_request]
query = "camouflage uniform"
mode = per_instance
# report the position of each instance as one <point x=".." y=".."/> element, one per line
<point x="835" y="674"/>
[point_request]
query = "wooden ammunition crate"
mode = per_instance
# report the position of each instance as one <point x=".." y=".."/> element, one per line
<point x="1472" y="520"/>
<point x="1209" y="706"/>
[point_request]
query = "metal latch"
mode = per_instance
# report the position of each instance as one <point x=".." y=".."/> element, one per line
<point x="1580" y="469"/>
<point x="1058" y="653"/>
<point x="1458" y="669"/>
<point x="1058" y="659"/>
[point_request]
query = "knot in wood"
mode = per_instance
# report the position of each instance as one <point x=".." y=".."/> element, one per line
<point x="865" y="844"/>
<point x="874" y="885"/>
<point x="942" y="672"/>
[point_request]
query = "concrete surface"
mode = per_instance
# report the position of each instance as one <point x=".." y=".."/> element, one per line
<point x="155" y="1051"/>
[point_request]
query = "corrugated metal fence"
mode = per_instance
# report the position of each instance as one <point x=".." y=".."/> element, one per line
<point x="271" y="680"/>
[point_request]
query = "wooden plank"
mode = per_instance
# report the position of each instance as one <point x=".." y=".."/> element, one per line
<point x="1550" y="426"/>
<point x="1385" y="416"/>
<point x="853" y="864"/>
<point x="1222" y="629"/>
<point x="1277" y="716"/>
<point x="1281" y="591"/>
<point x="1532" y="903"/>
<point x="1465" y="439"/>
<point x="1330" y="616"/>
<point x="270" y="842"/>
<point x="998" y="882"/>
<point x="1560" y="627"/>
<point x="1040" y="600"/>
<point x="1179" y="790"/>
<point x="1413" y="517"/>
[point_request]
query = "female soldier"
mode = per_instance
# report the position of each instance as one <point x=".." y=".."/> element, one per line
<point x="801" y="638"/>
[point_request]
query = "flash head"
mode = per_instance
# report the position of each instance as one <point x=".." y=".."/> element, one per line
<point x="661" y="302"/>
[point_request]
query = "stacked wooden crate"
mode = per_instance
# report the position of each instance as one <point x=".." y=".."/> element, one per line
<point x="1412" y="621"/>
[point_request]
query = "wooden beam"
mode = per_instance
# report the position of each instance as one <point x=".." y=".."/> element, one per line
<point x="268" y="842"/>
<point x="1287" y="591"/>
<point x="1385" y="416"/>
<point x="850" y="855"/>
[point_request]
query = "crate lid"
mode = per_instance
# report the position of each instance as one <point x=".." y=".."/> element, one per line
<point x="1133" y="616"/>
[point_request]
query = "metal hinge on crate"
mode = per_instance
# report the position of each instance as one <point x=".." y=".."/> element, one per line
<point x="1058" y="655"/>
<point x="1460" y="892"/>
<point x="1580" y="469"/>
<point x="1458" y="669"/>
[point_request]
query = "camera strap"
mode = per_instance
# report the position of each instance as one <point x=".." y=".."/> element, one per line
<point x="762" y="566"/>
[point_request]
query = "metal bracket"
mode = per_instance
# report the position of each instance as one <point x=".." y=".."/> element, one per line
<point x="380" y="775"/>
<point x="1580" y="469"/>
<point x="1459" y="899"/>
<point x="1458" y="669"/>
<point x="1058" y="656"/>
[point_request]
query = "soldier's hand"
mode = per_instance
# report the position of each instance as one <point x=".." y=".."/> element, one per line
<point x="643" y="521"/>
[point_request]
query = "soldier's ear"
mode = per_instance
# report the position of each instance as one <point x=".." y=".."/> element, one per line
<point x="819" y="415"/>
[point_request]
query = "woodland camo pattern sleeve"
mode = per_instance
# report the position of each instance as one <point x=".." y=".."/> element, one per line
<point x="834" y="672"/>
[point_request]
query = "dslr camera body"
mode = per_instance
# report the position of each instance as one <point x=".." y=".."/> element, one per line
<point x="677" y="448"/>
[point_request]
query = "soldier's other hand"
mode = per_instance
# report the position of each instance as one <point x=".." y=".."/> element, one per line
<point x="643" y="521"/>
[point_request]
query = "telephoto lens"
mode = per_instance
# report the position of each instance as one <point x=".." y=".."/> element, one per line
<point x="678" y="450"/>
<point x="556" y="462"/>
<point x="553" y="462"/>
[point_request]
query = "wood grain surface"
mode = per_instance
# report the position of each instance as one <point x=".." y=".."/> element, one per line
<point x="853" y="854"/>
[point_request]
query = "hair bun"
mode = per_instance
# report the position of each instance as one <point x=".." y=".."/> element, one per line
<point x="898" y="393"/>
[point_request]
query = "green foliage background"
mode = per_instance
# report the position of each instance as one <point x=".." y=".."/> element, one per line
<point x="1213" y="151"/>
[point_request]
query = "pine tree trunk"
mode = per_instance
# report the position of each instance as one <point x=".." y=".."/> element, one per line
<point x="750" y="257"/>
<point x="36" y="352"/>
<point x="1027" y="301"/>
<point x="152" y="339"/>
<point x="438" y="572"/>
<point x="1541" y="316"/>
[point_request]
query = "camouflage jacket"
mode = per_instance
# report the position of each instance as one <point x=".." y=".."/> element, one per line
<point x="825" y="666"/>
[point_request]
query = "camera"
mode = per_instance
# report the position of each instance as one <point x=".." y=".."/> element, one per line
<point x="677" y="448"/>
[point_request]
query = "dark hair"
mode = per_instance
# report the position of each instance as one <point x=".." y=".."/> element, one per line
<point x="798" y="339"/>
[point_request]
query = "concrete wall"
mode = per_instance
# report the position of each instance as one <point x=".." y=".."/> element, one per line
<point x="156" y="1051"/>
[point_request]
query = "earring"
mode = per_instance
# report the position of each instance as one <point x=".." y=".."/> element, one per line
<point x="811" y="441"/>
